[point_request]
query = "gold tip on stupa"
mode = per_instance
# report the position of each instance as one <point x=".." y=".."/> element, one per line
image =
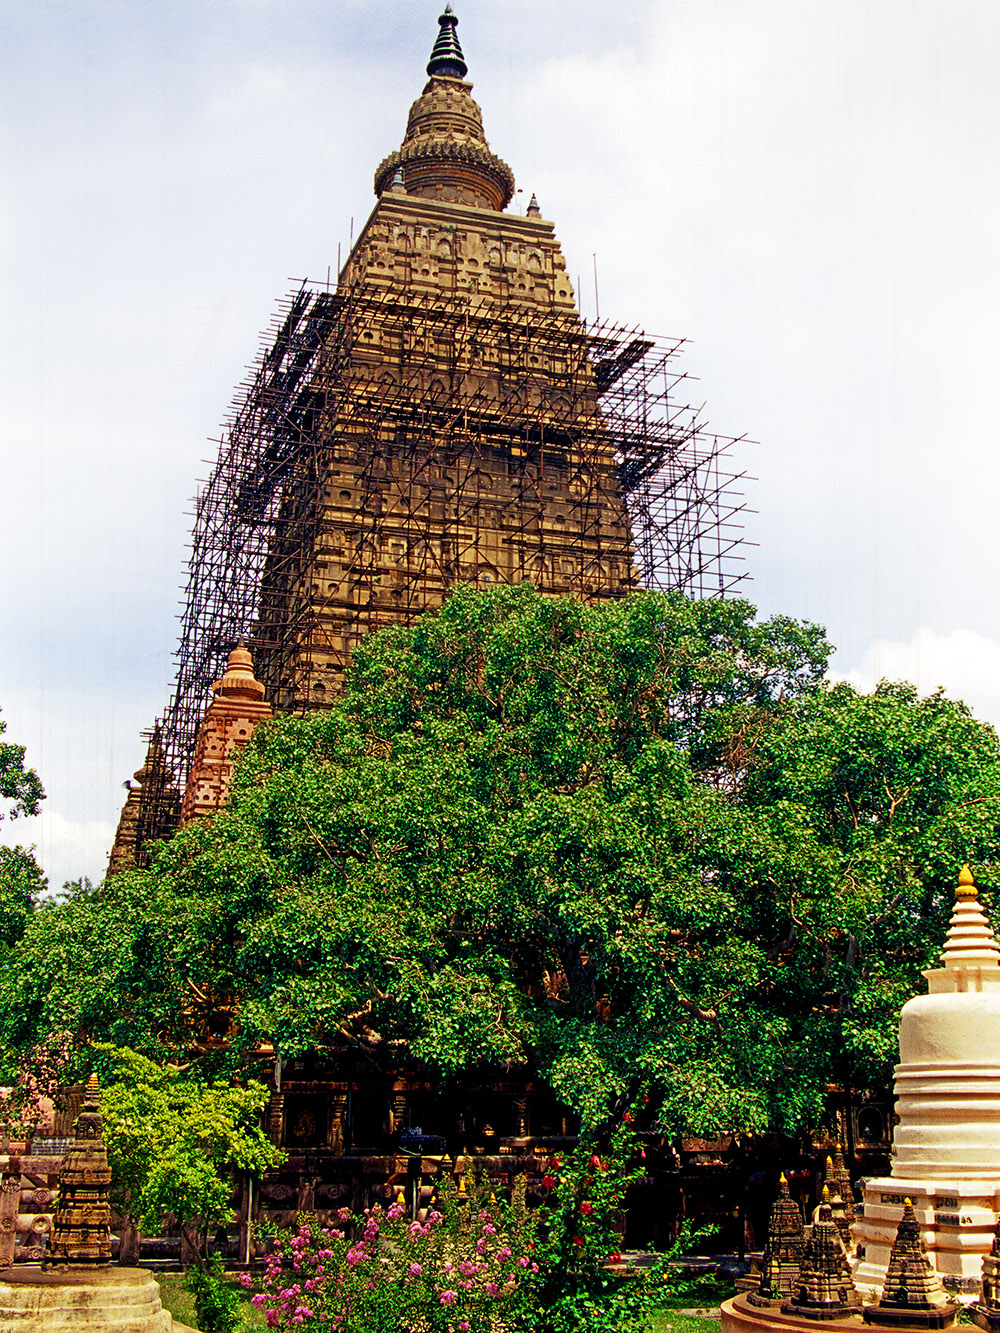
<point x="826" y="1194"/>
<point x="966" y="884"/>
<point x="783" y="1180"/>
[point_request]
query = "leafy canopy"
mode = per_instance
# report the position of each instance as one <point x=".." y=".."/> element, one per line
<point x="638" y="845"/>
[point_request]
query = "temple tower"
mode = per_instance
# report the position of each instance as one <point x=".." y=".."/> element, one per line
<point x="457" y="431"/>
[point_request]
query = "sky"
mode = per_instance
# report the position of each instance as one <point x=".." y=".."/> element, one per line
<point x="807" y="190"/>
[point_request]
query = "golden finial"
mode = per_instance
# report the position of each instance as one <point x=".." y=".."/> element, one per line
<point x="783" y="1179"/>
<point x="829" y="1163"/>
<point x="826" y="1194"/>
<point x="907" y="1201"/>
<point x="966" y="884"/>
<point x="401" y="1198"/>
<point x="461" y="1187"/>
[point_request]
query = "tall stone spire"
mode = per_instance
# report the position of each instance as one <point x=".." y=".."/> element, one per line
<point x="782" y="1251"/>
<point x="824" y="1288"/>
<point x="445" y="154"/>
<point x="446" y="57"/>
<point x="912" y="1294"/>
<point x="81" y="1233"/>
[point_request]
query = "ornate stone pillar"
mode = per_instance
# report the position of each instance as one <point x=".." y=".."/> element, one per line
<point x="338" y="1122"/>
<point x="276" y="1117"/>
<point x="400" y="1107"/>
<point x="521" y="1122"/>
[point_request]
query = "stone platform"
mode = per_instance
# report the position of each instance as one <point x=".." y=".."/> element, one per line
<point x="91" y="1300"/>
<point x="739" y="1316"/>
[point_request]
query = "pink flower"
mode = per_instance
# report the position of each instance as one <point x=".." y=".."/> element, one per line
<point x="245" y="1281"/>
<point x="523" y="1261"/>
<point x="272" y="1318"/>
<point x="503" y="1255"/>
<point x="395" y="1210"/>
<point x="586" y="1207"/>
<point x="448" y="1297"/>
<point x="415" y="1270"/>
<point x="259" y="1301"/>
<point x="344" y="1214"/>
<point x="464" y="1325"/>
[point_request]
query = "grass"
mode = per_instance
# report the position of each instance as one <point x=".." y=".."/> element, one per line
<point x="176" y="1298"/>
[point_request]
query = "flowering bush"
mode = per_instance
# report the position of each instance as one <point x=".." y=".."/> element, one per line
<point x="458" y="1270"/>
<point x="474" y="1265"/>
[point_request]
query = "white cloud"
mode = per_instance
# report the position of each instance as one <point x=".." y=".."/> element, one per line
<point x="964" y="663"/>
<point x="64" y="848"/>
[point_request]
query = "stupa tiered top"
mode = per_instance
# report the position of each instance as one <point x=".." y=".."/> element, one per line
<point x="948" y="1078"/>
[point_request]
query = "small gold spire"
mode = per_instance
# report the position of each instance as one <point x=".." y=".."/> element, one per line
<point x="907" y="1201"/>
<point x="966" y="884"/>
<point x="783" y="1180"/>
<point x="401" y="1198"/>
<point x="826" y="1194"/>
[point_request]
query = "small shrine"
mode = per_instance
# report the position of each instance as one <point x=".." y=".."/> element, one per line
<point x="912" y="1294"/>
<point x="81" y="1232"/>
<point x="782" y="1251"/>
<point x="986" y="1311"/>
<point x="824" y="1288"/>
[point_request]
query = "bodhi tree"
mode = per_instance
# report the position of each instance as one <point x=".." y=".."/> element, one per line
<point x="635" y="847"/>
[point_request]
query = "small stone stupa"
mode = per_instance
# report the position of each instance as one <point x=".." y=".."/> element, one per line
<point x="782" y="1252"/>
<point x="986" y="1311"/>
<point x="824" y="1288"/>
<point x="912" y="1294"/>
<point x="81" y="1233"/>
<point x="838" y="1205"/>
<point x="843" y="1178"/>
<point x="946" y="1150"/>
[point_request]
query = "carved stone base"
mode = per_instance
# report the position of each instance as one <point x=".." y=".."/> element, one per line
<point x="84" y="1300"/>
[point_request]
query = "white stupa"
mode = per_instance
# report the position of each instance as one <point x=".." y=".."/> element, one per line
<point x="946" y="1147"/>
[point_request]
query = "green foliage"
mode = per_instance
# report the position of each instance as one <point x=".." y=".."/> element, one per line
<point x="636" y="845"/>
<point x="21" y="880"/>
<point x="577" y="1233"/>
<point x="174" y="1143"/>
<point x="19" y="786"/>
<point x="217" y="1305"/>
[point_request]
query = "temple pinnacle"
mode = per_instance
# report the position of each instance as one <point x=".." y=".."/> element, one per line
<point x="446" y="59"/>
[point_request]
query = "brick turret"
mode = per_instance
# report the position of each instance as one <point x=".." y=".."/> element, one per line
<point x="233" y="716"/>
